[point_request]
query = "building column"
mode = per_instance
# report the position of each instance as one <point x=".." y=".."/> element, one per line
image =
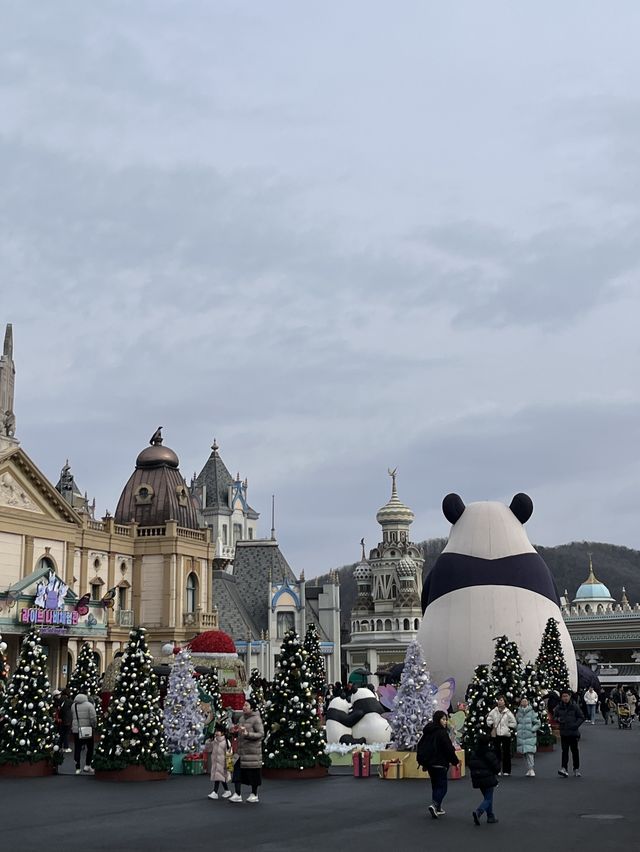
<point x="136" y="590"/>
<point x="27" y="565"/>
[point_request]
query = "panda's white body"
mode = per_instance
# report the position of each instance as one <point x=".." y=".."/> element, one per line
<point x="373" y="727"/>
<point x="334" y="729"/>
<point x="459" y="627"/>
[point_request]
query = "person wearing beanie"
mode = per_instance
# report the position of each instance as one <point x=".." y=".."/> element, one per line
<point x="250" y="733"/>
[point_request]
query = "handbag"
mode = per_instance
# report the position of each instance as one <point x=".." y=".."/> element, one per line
<point x="85" y="732"/>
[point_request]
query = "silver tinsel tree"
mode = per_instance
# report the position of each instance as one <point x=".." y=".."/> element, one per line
<point x="183" y="717"/>
<point x="414" y="704"/>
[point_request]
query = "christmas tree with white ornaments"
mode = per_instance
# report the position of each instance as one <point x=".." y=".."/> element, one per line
<point x="85" y="678"/>
<point x="550" y="662"/>
<point x="414" y="702"/>
<point x="183" y="716"/>
<point x="133" y="729"/>
<point x="533" y="690"/>
<point x="480" y="697"/>
<point x="27" y="730"/>
<point x="315" y="661"/>
<point x="293" y="738"/>
<point x="506" y="672"/>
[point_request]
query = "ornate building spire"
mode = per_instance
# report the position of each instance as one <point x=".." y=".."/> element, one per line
<point x="7" y="386"/>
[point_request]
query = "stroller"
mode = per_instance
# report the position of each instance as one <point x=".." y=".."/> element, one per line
<point x="625" y="719"/>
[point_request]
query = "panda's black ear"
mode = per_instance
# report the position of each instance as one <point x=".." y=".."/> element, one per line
<point x="453" y="507"/>
<point x="522" y="507"/>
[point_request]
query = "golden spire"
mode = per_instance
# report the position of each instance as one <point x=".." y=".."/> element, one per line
<point x="591" y="579"/>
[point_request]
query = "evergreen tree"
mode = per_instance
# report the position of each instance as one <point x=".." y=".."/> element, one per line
<point x="133" y="731"/>
<point x="533" y="690"/>
<point x="27" y="730"/>
<point x="209" y="694"/>
<point x="257" y="690"/>
<point x="480" y="697"/>
<point x="506" y="672"/>
<point x="4" y="667"/>
<point x="183" y="717"/>
<point x="315" y="661"/>
<point x="293" y="737"/>
<point x="550" y="662"/>
<point x="85" y="677"/>
<point x="414" y="702"/>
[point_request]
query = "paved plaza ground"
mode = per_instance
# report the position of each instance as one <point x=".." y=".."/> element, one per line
<point x="599" y="811"/>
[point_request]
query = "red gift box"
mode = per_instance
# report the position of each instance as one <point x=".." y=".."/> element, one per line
<point x="361" y="764"/>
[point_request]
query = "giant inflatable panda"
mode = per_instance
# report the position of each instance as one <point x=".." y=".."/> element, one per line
<point x="487" y="582"/>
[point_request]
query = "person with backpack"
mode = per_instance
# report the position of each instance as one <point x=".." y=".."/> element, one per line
<point x="483" y="766"/>
<point x="435" y="753"/>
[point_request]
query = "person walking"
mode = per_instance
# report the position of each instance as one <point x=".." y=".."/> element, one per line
<point x="591" y="702"/>
<point x="604" y="706"/>
<point x="83" y="725"/>
<point x="435" y="754"/>
<point x="569" y="716"/>
<point x="220" y="751"/>
<point x="250" y="733"/>
<point x="632" y="700"/>
<point x="502" y="723"/>
<point x="527" y="727"/>
<point x="484" y="766"/>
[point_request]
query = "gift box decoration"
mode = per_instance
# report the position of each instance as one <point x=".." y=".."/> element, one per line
<point x="361" y="764"/>
<point x="391" y="770"/>
<point x="458" y="772"/>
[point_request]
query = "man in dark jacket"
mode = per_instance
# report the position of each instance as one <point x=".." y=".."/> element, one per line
<point x="435" y="754"/>
<point x="570" y="717"/>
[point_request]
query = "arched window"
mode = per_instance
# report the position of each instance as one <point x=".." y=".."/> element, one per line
<point x="364" y="626"/>
<point x="407" y="624"/>
<point x="192" y="592"/>
<point x="416" y="623"/>
<point x="98" y="658"/>
<point x="46" y="562"/>
<point x="397" y="624"/>
<point x="387" y="624"/>
<point x="379" y="624"/>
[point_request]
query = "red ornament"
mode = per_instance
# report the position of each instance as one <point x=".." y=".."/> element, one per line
<point x="176" y="649"/>
<point x="213" y="642"/>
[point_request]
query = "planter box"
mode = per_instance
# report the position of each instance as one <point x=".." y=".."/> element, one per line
<point x="130" y="773"/>
<point x="176" y="763"/>
<point x="296" y="774"/>
<point x="27" y="770"/>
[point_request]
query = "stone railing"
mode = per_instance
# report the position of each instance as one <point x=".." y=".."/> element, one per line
<point x="200" y="620"/>
<point x="194" y="535"/>
<point x="151" y="532"/>
<point x="122" y="530"/>
<point x="95" y="525"/>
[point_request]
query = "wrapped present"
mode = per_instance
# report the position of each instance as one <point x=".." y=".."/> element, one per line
<point x="391" y="770"/>
<point x="458" y="772"/>
<point x="361" y="764"/>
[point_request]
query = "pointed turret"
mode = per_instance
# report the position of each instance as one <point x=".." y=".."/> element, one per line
<point x="7" y="388"/>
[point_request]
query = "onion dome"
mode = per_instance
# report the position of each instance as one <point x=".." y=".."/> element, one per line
<point x="593" y="590"/>
<point x="156" y="492"/>
<point x="213" y="642"/>
<point x="406" y="567"/>
<point x="395" y="511"/>
<point x="362" y="571"/>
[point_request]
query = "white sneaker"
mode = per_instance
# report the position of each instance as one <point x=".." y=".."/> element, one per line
<point x="88" y="769"/>
<point x="532" y="773"/>
<point x="78" y="771"/>
<point x="226" y="794"/>
<point x="212" y="795"/>
<point x="235" y="798"/>
<point x="68" y="750"/>
<point x="252" y="798"/>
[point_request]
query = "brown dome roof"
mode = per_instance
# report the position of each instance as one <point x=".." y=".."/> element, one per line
<point x="156" y="492"/>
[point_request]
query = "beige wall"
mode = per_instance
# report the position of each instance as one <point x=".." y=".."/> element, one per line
<point x="56" y="552"/>
<point x="10" y="559"/>
<point x="151" y="591"/>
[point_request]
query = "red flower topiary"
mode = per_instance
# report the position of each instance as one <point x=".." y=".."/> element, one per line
<point x="213" y="642"/>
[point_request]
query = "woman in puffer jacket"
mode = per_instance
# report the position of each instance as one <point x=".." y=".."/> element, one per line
<point x="483" y="767"/>
<point x="83" y="715"/>
<point x="527" y="727"/>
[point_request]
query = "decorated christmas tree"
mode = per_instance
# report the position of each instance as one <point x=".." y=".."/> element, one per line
<point x="414" y="702"/>
<point x="480" y="697"/>
<point x="133" y="731"/>
<point x="257" y="690"/>
<point x="550" y="662"/>
<point x="533" y="690"/>
<point x="85" y="677"/>
<point x="506" y="672"/>
<point x="183" y="716"/>
<point x="293" y="738"/>
<point x="27" y="730"/>
<point x="315" y="661"/>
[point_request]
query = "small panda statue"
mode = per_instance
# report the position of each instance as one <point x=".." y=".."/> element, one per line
<point x="337" y="717"/>
<point x="366" y="720"/>
<point x="487" y="582"/>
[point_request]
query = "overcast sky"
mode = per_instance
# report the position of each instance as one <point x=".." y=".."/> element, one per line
<point x="338" y="237"/>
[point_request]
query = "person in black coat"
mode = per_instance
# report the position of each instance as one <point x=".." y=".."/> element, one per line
<point x="438" y="754"/>
<point x="570" y="717"/>
<point x="484" y="766"/>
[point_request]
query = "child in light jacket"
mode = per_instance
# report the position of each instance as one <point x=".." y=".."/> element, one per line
<point x="220" y="750"/>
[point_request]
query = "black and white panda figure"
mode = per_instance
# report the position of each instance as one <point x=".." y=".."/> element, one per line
<point x="366" y="719"/>
<point x="488" y="581"/>
<point x="338" y="724"/>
